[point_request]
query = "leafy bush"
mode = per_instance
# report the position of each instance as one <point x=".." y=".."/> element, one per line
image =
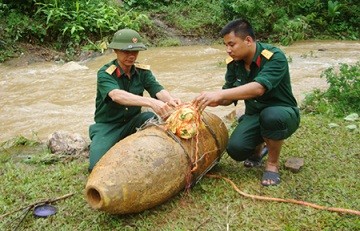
<point x="194" y="18"/>
<point x="65" y="24"/>
<point x="288" y="31"/>
<point x="343" y="95"/>
<point x="75" y="23"/>
<point x="280" y="25"/>
<point x="16" y="27"/>
<point x="22" y="28"/>
<point x="259" y="13"/>
<point x="25" y="6"/>
<point x="288" y="21"/>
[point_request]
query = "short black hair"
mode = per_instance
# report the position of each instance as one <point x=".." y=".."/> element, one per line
<point x="241" y="28"/>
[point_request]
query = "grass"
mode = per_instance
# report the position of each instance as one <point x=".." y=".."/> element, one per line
<point x="329" y="178"/>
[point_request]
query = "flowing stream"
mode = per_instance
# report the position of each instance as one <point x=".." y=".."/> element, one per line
<point x="41" y="98"/>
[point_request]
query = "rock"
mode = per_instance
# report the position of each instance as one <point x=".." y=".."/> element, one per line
<point x="62" y="142"/>
<point x="57" y="58"/>
<point x="234" y="115"/>
<point x="352" y="117"/>
<point x="294" y="164"/>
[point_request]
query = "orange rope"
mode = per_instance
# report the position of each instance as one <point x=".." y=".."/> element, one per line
<point x="304" y="203"/>
<point x="196" y="154"/>
<point x="197" y="122"/>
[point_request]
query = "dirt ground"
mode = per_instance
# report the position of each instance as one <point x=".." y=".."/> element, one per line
<point x="30" y="53"/>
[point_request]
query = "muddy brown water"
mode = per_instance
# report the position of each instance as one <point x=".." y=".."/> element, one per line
<point x="41" y="98"/>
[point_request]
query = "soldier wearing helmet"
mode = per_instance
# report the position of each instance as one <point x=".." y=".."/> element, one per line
<point x="127" y="40"/>
<point x="119" y="99"/>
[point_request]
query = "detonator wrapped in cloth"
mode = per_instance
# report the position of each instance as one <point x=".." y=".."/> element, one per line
<point x="154" y="164"/>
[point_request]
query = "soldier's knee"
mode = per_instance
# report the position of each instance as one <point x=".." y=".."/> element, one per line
<point x="238" y="151"/>
<point x="97" y="150"/>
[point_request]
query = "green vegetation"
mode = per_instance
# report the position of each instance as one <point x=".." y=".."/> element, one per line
<point x="71" y="26"/>
<point x="328" y="178"/>
<point x="65" y="25"/>
<point x="343" y="95"/>
<point x="29" y="174"/>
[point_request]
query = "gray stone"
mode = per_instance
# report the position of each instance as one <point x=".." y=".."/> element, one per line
<point x="294" y="164"/>
<point x="62" y="142"/>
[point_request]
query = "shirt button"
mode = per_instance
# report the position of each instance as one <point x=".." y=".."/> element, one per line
<point x="126" y="108"/>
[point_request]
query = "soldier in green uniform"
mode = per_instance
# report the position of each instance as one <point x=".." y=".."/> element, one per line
<point x="119" y="99"/>
<point x="257" y="73"/>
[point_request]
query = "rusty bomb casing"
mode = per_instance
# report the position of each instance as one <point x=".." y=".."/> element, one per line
<point x="150" y="166"/>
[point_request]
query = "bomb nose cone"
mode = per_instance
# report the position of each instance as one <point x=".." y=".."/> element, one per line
<point x="94" y="197"/>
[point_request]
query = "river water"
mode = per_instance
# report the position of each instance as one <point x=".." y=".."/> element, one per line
<point x="41" y="98"/>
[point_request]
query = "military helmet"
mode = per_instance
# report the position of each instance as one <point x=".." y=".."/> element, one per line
<point x="127" y="40"/>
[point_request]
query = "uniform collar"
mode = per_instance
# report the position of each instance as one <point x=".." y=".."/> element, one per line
<point x="257" y="56"/>
<point x="120" y="72"/>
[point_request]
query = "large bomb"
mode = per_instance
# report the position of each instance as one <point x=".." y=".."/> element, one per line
<point x="152" y="165"/>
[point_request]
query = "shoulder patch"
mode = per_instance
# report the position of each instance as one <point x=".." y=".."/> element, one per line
<point x="267" y="54"/>
<point x="228" y="60"/>
<point x="110" y="69"/>
<point x="142" y="66"/>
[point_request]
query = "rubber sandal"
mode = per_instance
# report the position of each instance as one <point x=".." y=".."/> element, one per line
<point x="270" y="176"/>
<point x="256" y="161"/>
